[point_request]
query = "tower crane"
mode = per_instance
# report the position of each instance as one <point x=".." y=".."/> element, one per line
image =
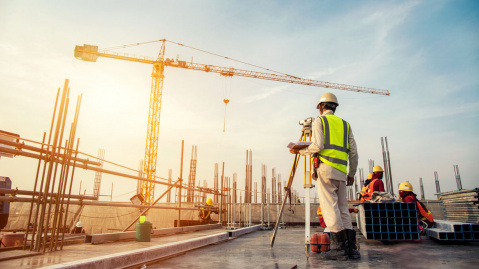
<point x="91" y="53"/>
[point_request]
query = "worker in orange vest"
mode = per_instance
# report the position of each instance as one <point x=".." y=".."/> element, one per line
<point x="365" y="187"/>
<point x="425" y="219"/>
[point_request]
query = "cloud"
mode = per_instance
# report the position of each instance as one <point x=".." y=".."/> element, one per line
<point x="265" y="93"/>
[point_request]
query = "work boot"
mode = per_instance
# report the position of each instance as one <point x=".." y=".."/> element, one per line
<point x="339" y="250"/>
<point x="353" y="252"/>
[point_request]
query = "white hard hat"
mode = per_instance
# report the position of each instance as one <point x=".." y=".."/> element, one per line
<point x="328" y="98"/>
<point x="79" y="224"/>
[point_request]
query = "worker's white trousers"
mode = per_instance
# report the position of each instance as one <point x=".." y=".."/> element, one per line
<point x="334" y="206"/>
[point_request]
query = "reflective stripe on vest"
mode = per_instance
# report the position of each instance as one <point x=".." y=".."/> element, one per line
<point x="336" y="142"/>
<point x="203" y="215"/>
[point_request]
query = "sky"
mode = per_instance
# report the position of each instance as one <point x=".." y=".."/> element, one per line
<point x="425" y="53"/>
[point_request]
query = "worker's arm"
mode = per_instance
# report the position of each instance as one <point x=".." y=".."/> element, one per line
<point x="317" y="138"/>
<point x="353" y="155"/>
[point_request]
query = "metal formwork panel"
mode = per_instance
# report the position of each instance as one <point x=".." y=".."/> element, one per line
<point x="452" y="230"/>
<point x="388" y="221"/>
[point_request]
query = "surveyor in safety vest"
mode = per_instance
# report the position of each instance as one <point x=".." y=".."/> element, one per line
<point x="333" y="144"/>
<point x="424" y="216"/>
<point x="205" y="215"/>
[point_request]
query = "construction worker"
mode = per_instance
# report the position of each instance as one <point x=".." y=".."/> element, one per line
<point x="205" y="215"/>
<point x="365" y="187"/>
<point x="333" y="143"/>
<point x="78" y="228"/>
<point x="376" y="183"/>
<point x="425" y="219"/>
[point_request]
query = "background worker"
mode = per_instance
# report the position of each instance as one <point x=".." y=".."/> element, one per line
<point x="424" y="216"/>
<point x="365" y="187"/>
<point x="376" y="180"/>
<point x="333" y="141"/>
<point x="78" y="228"/>
<point x="376" y="183"/>
<point x="205" y="215"/>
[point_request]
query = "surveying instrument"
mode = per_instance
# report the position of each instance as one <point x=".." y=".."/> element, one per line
<point x="304" y="141"/>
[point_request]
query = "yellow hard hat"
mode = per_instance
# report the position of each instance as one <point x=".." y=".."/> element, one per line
<point x="405" y="186"/>
<point x="209" y="201"/>
<point x="377" y="168"/>
<point x="328" y="98"/>
<point x="370" y="176"/>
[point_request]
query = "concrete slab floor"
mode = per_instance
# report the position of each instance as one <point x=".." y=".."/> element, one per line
<point x="254" y="251"/>
<point x="78" y="252"/>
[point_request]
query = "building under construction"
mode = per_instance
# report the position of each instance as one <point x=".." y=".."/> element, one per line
<point x="264" y="223"/>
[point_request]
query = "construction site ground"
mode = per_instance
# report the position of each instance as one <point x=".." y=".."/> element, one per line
<point x="251" y="250"/>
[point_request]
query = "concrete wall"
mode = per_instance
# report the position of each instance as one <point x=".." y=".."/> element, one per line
<point x="102" y="219"/>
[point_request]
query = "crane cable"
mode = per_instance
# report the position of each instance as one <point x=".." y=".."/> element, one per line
<point x="204" y="51"/>
<point x="227" y="81"/>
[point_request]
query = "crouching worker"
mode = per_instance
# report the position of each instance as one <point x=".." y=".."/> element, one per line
<point x="424" y="216"/>
<point x="78" y="228"/>
<point x="205" y="215"/>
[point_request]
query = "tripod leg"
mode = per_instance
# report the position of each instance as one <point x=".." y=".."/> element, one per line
<point x="286" y="195"/>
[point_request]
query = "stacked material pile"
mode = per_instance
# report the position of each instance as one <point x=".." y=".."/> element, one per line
<point x="388" y="221"/>
<point x="461" y="206"/>
<point x="453" y="231"/>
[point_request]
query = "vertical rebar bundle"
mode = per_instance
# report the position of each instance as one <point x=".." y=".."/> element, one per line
<point x="371" y="165"/>
<point x="280" y="192"/>
<point x="436" y="179"/>
<point x="421" y="187"/>
<point x="387" y="166"/>
<point x="256" y="192"/>
<point x="361" y="176"/>
<point x="49" y="221"/>
<point x="458" y="177"/>
<point x="249" y="176"/>
<point x="222" y="198"/>
<point x="216" y="184"/>
<point x="355" y="187"/>
<point x="263" y="183"/>
<point x="192" y="176"/>
<point x="96" y="187"/>
<point x="273" y="186"/>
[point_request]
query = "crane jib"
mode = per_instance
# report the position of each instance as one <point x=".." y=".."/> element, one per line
<point x="88" y="53"/>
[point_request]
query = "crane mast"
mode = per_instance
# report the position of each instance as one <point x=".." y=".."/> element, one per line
<point x="90" y="53"/>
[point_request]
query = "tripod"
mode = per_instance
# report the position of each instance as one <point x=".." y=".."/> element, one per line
<point x="305" y="136"/>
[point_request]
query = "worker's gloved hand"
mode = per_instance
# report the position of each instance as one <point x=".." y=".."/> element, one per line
<point x="350" y="181"/>
<point x="294" y="151"/>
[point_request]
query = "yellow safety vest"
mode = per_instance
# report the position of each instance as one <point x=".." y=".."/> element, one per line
<point x="336" y="142"/>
